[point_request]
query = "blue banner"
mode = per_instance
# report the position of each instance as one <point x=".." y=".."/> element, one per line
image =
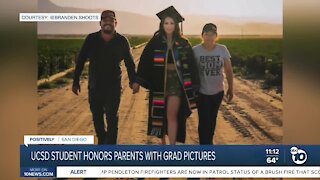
<point x="51" y="156"/>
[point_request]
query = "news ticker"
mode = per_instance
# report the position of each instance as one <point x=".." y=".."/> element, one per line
<point x="118" y="161"/>
<point x="174" y="172"/>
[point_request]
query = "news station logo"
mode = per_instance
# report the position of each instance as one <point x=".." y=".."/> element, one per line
<point x="299" y="156"/>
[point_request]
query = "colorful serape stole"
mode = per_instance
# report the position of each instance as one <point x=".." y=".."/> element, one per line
<point x="157" y="113"/>
<point x="159" y="57"/>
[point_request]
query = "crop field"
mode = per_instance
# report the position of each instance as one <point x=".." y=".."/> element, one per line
<point x="252" y="58"/>
<point x="56" y="55"/>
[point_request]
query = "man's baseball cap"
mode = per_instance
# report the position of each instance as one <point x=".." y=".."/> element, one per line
<point x="109" y="14"/>
<point x="209" y="27"/>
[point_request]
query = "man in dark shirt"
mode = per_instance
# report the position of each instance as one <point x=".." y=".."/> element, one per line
<point x="105" y="50"/>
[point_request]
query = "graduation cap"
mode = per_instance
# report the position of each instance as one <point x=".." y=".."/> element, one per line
<point x="171" y="12"/>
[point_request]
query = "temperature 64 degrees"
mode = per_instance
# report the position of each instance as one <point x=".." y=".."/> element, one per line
<point x="272" y="160"/>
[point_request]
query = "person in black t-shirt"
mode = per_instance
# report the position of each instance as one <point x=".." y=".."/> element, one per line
<point x="105" y="50"/>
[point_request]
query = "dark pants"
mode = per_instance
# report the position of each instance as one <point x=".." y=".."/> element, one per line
<point x="208" y="106"/>
<point x="105" y="102"/>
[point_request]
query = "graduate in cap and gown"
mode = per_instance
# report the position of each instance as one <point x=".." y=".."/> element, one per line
<point x="167" y="68"/>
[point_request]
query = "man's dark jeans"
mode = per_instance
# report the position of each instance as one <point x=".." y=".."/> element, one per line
<point x="105" y="102"/>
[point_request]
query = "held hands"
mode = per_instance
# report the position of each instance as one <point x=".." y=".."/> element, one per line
<point x="195" y="90"/>
<point x="196" y="94"/>
<point x="135" y="87"/>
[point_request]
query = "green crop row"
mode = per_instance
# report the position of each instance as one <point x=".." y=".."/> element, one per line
<point x="56" y="55"/>
<point x="257" y="58"/>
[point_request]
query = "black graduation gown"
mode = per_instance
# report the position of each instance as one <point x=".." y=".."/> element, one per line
<point x="152" y="75"/>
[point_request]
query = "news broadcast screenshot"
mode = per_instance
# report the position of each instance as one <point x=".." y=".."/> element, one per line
<point x="160" y="89"/>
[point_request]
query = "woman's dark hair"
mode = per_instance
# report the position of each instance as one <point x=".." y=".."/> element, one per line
<point x="176" y="32"/>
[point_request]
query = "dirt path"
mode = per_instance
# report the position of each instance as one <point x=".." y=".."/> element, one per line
<point x="254" y="117"/>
